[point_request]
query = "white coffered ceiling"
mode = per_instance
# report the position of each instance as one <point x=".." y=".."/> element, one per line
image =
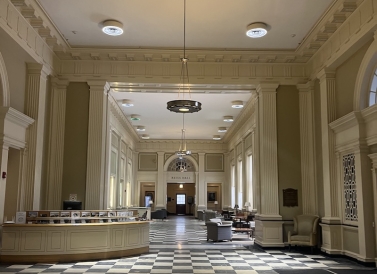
<point x="211" y="25"/>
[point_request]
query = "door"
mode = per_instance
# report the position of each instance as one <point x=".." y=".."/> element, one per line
<point x="181" y="204"/>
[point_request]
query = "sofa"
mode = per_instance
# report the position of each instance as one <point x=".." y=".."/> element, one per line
<point x="219" y="231"/>
<point x="159" y="214"/>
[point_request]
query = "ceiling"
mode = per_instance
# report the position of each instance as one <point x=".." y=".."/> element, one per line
<point x="210" y="25"/>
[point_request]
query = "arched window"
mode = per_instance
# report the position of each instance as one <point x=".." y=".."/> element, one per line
<point x="373" y="90"/>
<point x="181" y="164"/>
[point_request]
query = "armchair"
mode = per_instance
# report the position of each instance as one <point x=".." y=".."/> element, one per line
<point x="218" y="231"/>
<point x="304" y="231"/>
<point x="159" y="214"/>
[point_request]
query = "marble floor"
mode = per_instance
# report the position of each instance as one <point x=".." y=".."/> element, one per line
<point x="179" y="245"/>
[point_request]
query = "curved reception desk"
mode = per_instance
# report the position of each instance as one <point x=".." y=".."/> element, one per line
<point x="43" y="243"/>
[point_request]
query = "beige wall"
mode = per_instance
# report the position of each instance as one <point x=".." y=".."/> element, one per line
<point x="345" y="82"/>
<point x="76" y="141"/>
<point x="11" y="191"/>
<point x="289" y="159"/>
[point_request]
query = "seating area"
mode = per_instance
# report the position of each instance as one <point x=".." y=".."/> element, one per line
<point x="304" y="231"/>
<point x="159" y="214"/>
<point x="218" y="230"/>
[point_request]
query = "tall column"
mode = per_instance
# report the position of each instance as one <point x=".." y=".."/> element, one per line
<point x="268" y="224"/>
<point x="56" y="144"/>
<point x="373" y="157"/>
<point x="201" y="184"/>
<point x="328" y="115"/>
<point x="97" y="142"/>
<point x="3" y="181"/>
<point x="245" y="183"/>
<point x="308" y="174"/>
<point x="256" y="159"/>
<point x="268" y="152"/>
<point x="35" y="101"/>
<point x="160" y="199"/>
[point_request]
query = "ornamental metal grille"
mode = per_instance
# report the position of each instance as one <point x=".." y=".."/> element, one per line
<point x="181" y="165"/>
<point x="350" y="196"/>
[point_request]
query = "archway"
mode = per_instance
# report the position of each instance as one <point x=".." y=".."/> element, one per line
<point x="180" y="184"/>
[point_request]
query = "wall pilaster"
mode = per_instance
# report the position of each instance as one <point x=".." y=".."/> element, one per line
<point x="373" y="157"/>
<point x="35" y="101"/>
<point x="3" y="181"/>
<point x="54" y="160"/>
<point x="160" y="199"/>
<point x="97" y="138"/>
<point x="268" y="152"/>
<point x="201" y="186"/>
<point x="328" y="115"/>
<point x="308" y="174"/>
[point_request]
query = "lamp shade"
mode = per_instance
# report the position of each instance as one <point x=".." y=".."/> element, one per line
<point x="236" y="206"/>
<point x="216" y="202"/>
<point x="151" y="202"/>
<point x="247" y="204"/>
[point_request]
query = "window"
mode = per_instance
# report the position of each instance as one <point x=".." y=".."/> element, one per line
<point x="240" y="184"/>
<point x="373" y="90"/>
<point x="181" y="164"/>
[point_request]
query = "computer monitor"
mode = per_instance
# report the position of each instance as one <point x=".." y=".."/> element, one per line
<point x="72" y="205"/>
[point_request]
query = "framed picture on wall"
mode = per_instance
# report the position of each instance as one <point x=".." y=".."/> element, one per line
<point x="211" y="196"/>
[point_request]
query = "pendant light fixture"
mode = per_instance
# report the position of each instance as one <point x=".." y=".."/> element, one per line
<point x="183" y="105"/>
<point x="182" y="147"/>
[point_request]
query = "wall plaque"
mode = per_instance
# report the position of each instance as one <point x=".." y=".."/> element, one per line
<point x="290" y="197"/>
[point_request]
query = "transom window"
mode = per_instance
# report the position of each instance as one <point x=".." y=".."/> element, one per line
<point x="373" y="90"/>
<point x="181" y="165"/>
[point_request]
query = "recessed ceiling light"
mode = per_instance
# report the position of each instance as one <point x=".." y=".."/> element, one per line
<point x="222" y="129"/>
<point x="140" y="128"/>
<point x="127" y="103"/>
<point x="112" y="27"/>
<point x="256" y="30"/>
<point x="228" y="119"/>
<point x="237" y="104"/>
<point x="216" y="137"/>
<point x="135" y="117"/>
<point x="145" y="136"/>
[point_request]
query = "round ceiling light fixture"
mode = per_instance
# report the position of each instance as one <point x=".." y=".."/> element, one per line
<point x="127" y="103"/>
<point x="145" y="136"/>
<point x="222" y="129"/>
<point x="112" y="27"/>
<point x="256" y="30"/>
<point x="228" y="119"/>
<point x="237" y="104"/>
<point x="184" y="106"/>
<point x="135" y="117"/>
<point x="216" y="137"/>
<point x="140" y="128"/>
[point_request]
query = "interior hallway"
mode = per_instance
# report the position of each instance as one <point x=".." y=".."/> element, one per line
<point x="179" y="245"/>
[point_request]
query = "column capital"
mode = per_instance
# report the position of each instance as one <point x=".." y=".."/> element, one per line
<point x="373" y="157"/>
<point x="99" y="85"/>
<point x="59" y="83"/>
<point x="307" y="87"/>
<point x="37" y="69"/>
<point x="267" y="87"/>
<point x="325" y="74"/>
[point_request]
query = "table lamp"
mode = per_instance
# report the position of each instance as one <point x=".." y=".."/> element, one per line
<point x="215" y="203"/>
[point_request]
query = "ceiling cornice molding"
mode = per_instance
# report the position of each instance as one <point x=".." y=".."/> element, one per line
<point x="172" y="145"/>
<point x="118" y="113"/>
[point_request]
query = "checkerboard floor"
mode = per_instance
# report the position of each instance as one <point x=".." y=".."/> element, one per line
<point x="179" y="245"/>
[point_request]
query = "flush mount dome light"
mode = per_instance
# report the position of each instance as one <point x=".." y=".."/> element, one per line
<point x="256" y="30"/>
<point x="145" y="136"/>
<point x="216" y="137"/>
<point x="112" y="27"/>
<point x="184" y="106"/>
<point x="222" y="129"/>
<point x="228" y="119"/>
<point x="237" y="104"/>
<point x="135" y="117"/>
<point x="140" y="128"/>
<point x="127" y="103"/>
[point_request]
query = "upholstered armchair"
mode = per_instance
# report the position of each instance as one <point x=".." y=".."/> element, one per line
<point x="304" y="231"/>
<point x="159" y="214"/>
<point x="217" y="231"/>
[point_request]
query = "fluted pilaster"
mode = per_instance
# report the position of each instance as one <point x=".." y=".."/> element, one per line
<point x="308" y="174"/>
<point x="56" y="144"/>
<point x="328" y="115"/>
<point x="35" y="98"/>
<point x="97" y="138"/>
<point x="268" y="151"/>
<point x="160" y="199"/>
<point x="201" y="184"/>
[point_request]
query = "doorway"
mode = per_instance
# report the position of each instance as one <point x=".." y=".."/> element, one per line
<point x="181" y="204"/>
